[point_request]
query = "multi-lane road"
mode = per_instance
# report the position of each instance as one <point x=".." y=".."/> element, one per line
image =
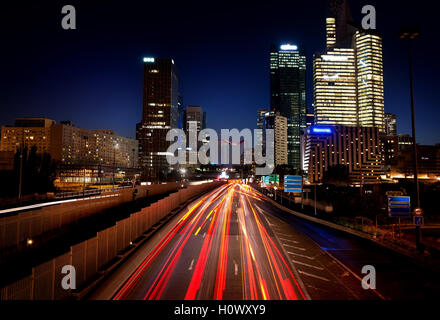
<point x="233" y="244"/>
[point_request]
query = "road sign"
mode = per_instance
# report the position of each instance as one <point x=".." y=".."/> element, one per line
<point x="265" y="182"/>
<point x="399" y="207"/>
<point x="274" y="178"/>
<point x="293" y="184"/>
<point x="419" y="221"/>
<point x="394" y="193"/>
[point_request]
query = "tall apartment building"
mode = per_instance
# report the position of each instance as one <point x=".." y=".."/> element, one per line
<point x="288" y="95"/>
<point x="160" y="113"/>
<point x="275" y="121"/>
<point x="356" y="148"/>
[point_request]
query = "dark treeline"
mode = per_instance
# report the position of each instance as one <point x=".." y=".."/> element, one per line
<point x="38" y="174"/>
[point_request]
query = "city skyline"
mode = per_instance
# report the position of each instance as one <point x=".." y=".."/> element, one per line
<point x="103" y="78"/>
<point x="204" y="151"/>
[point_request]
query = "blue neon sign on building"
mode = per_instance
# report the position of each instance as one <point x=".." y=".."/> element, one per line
<point x="322" y="130"/>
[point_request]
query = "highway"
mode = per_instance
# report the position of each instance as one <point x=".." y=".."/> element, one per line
<point x="233" y="244"/>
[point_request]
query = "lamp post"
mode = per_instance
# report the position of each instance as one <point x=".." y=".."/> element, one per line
<point x="115" y="147"/>
<point x="412" y="33"/>
<point x="20" y="182"/>
<point x="316" y="213"/>
<point x="85" y="138"/>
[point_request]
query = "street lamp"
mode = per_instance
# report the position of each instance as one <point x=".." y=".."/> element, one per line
<point x="412" y="33"/>
<point x="85" y="138"/>
<point x="115" y="147"/>
<point x="20" y="183"/>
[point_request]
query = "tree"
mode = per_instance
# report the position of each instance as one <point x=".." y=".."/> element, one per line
<point x="39" y="171"/>
<point x="337" y="175"/>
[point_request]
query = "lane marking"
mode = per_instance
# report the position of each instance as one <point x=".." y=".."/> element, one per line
<point x="236" y="269"/>
<point x="307" y="265"/>
<point x="354" y="274"/>
<point x="282" y="239"/>
<point x="204" y="235"/>
<point x="301" y="255"/>
<point x="299" y="281"/>
<point x="313" y="276"/>
<point x="297" y="248"/>
<point x="325" y="251"/>
<point x="191" y="265"/>
<point x="284" y="235"/>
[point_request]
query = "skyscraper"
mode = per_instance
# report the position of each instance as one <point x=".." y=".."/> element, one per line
<point x="335" y="87"/>
<point x="370" y="85"/>
<point x="348" y="80"/>
<point x="344" y="26"/>
<point x="288" y="95"/>
<point x="195" y="120"/>
<point x="261" y="114"/>
<point x="273" y="120"/>
<point x="196" y="115"/>
<point x="160" y="114"/>
<point x="390" y="124"/>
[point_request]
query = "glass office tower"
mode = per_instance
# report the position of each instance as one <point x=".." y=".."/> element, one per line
<point x="288" y="95"/>
<point x="370" y="80"/>
<point x="335" y="88"/>
<point x="348" y="81"/>
<point x="160" y="113"/>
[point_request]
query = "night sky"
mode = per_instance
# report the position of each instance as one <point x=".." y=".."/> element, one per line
<point x="93" y="75"/>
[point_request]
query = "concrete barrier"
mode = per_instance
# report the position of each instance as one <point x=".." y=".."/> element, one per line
<point x="89" y="256"/>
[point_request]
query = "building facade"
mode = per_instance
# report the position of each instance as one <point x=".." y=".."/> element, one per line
<point x="81" y="155"/>
<point x="428" y="163"/>
<point x="288" y="95"/>
<point x="28" y="132"/>
<point x="160" y="113"/>
<point x="390" y="124"/>
<point x="355" y="148"/>
<point x="370" y="84"/>
<point x="348" y="81"/>
<point x="335" y="92"/>
<point x="195" y="121"/>
<point x="273" y="120"/>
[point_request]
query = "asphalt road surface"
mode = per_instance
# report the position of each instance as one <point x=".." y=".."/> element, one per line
<point x="233" y="244"/>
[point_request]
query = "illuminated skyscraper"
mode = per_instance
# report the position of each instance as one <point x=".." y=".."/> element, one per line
<point x="348" y="82"/>
<point x="331" y="32"/>
<point x="370" y="80"/>
<point x="335" y="87"/>
<point x="160" y="114"/>
<point x="288" y="95"/>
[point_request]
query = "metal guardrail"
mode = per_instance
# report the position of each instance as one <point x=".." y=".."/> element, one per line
<point x="92" y="192"/>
